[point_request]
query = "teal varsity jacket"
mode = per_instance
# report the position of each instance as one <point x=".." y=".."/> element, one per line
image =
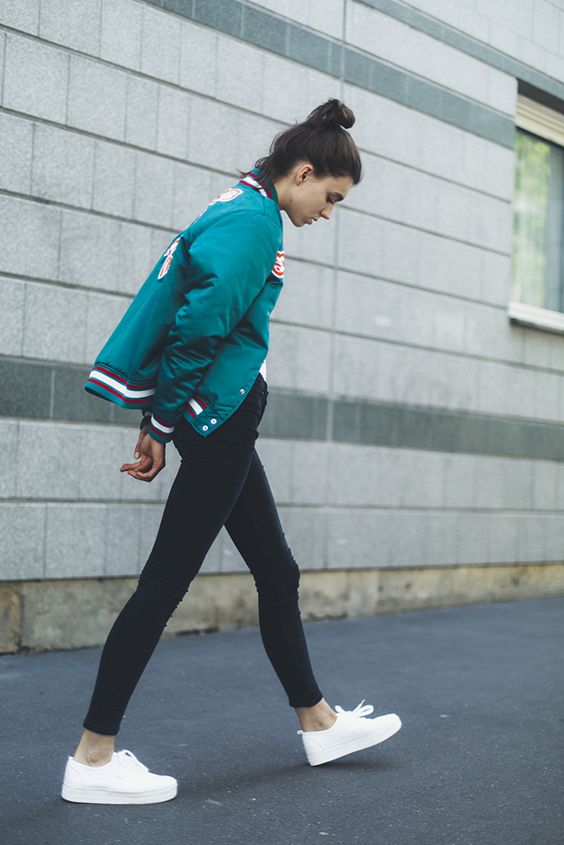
<point x="193" y="339"/>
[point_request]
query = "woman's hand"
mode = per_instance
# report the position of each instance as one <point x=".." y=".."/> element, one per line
<point x="152" y="458"/>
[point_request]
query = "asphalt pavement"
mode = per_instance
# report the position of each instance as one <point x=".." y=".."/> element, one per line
<point x="479" y="759"/>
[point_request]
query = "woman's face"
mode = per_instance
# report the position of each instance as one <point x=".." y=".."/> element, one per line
<point x="305" y="198"/>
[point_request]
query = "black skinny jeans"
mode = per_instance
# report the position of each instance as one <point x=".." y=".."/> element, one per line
<point x="221" y="481"/>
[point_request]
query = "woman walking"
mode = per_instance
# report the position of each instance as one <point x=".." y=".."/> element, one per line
<point x="190" y="353"/>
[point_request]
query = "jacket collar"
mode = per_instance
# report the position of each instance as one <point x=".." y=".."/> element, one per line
<point x="260" y="183"/>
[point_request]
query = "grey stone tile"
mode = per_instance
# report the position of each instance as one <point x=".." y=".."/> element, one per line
<point x="74" y="23"/>
<point x="357" y="538"/>
<point x="389" y="81"/>
<point x="26" y="389"/>
<point x="114" y="175"/>
<point x="198" y="58"/>
<point x="104" y="312"/>
<point x="120" y="40"/>
<point x="15" y="161"/>
<point x="54" y="322"/>
<point x="503" y="539"/>
<point x="357" y="67"/>
<point x="48" y="454"/>
<point x="306" y="532"/>
<point x="160" y="29"/>
<point x="531" y="543"/>
<point x="135" y="256"/>
<point x="303" y="417"/>
<point x="75" y="540"/>
<point x="224" y="15"/>
<point x="141" y="112"/>
<point x="173" y="120"/>
<point x="98" y="468"/>
<point x="72" y="402"/>
<point x="154" y="179"/>
<point x="91" y="250"/>
<point x="240" y="69"/>
<point x="336" y="58"/>
<point x="308" y="48"/>
<point x="20" y="14"/>
<point x="191" y="194"/>
<point x="35" y="78"/>
<point x="12" y="292"/>
<point x="96" y="97"/>
<point x="9" y="435"/>
<point x="209" y="142"/>
<point x="63" y="166"/>
<point x="22" y="527"/>
<point x="265" y="30"/>
<point x="2" y="62"/>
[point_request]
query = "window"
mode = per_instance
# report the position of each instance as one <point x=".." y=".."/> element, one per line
<point x="537" y="263"/>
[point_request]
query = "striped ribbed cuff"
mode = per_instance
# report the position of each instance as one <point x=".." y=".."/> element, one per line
<point x="160" y="430"/>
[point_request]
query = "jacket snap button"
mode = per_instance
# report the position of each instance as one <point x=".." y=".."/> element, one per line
<point x="242" y="390"/>
<point x="205" y="428"/>
<point x="213" y="420"/>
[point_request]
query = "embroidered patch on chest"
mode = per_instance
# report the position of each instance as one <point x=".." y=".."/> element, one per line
<point x="278" y="269"/>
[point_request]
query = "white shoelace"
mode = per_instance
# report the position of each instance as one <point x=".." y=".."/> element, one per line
<point x="359" y="710"/>
<point x="130" y="761"/>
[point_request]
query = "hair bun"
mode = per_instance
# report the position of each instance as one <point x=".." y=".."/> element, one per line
<point x="330" y="114"/>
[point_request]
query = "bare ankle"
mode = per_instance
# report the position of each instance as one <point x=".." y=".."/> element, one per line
<point x="317" y="718"/>
<point x="94" y="749"/>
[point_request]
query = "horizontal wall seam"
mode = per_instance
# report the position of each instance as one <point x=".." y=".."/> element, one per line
<point x="295" y="505"/>
<point x="31" y="393"/>
<point x="59" y="204"/>
<point x="469" y="44"/>
<point x="330" y="56"/>
<point x="520" y="366"/>
<point x="117" y="142"/>
<point x="400" y="283"/>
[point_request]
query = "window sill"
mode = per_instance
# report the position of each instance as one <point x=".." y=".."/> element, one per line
<point x="538" y="318"/>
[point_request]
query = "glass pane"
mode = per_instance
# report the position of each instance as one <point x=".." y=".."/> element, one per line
<point x="538" y="222"/>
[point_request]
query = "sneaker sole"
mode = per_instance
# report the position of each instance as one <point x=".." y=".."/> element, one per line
<point x="315" y="758"/>
<point x="105" y="796"/>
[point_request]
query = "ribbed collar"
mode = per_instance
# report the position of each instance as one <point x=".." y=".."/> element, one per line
<point x="266" y="183"/>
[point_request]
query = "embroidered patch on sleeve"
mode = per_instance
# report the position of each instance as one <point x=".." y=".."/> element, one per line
<point x="167" y="255"/>
<point x="227" y="195"/>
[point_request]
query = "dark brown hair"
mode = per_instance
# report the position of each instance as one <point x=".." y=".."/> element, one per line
<point x="321" y="139"/>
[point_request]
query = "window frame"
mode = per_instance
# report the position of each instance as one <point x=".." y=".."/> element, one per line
<point x="547" y="123"/>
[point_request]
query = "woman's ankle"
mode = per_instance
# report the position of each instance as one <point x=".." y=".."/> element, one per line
<point x="94" y="749"/>
<point x="317" y="718"/>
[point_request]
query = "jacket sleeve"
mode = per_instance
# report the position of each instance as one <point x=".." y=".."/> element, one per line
<point x="229" y="263"/>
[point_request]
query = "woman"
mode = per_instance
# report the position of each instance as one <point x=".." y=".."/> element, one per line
<point x="199" y="328"/>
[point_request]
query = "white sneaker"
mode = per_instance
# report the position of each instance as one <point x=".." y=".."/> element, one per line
<point x="123" y="780"/>
<point x="350" y="732"/>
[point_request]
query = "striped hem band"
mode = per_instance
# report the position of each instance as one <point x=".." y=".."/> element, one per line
<point x="132" y="394"/>
<point x="195" y="405"/>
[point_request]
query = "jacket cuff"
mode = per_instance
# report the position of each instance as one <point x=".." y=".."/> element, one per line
<point x="146" y="420"/>
<point x="160" y="430"/>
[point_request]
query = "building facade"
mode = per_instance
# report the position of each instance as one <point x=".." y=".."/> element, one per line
<point x="414" y="435"/>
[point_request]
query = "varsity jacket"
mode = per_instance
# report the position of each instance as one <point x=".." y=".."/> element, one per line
<point x="192" y="341"/>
